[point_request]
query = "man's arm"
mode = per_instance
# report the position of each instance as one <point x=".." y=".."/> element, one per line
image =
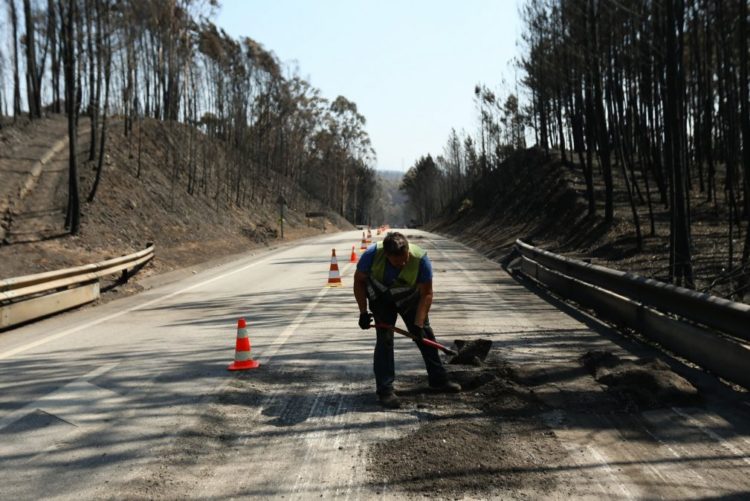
<point x="360" y="290"/>
<point x="425" y="301"/>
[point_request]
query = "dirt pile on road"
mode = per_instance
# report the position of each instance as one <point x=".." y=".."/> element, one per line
<point x="646" y="383"/>
<point x="483" y="457"/>
<point x="495" y="439"/>
<point x="488" y="440"/>
<point x="471" y="352"/>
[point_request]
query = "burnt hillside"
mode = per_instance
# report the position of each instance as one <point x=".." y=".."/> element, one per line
<point x="143" y="196"/>
<point x="542" y="200"/>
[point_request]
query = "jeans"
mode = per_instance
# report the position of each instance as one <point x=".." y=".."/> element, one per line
<point x="385" y="311"/>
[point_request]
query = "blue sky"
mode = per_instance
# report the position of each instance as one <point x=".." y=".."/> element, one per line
<point x="410" y="65"/>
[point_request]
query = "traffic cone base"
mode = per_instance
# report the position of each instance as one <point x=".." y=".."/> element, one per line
<point x="244" y="365"/>
<point x="242" y="360"/>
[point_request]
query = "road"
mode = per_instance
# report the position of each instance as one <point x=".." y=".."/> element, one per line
<point x="131" y="399"/>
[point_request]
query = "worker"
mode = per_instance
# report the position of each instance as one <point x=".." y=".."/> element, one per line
<point x="396" y="278"/>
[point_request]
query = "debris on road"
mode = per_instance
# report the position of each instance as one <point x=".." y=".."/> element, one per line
<point x="489" y="440"/>
<point x="471" y="352"/>
<point x="646" y="383"/>
<point x="499" y="437"/>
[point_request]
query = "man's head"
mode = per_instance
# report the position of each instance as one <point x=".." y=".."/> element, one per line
<point x="396" y="249"/>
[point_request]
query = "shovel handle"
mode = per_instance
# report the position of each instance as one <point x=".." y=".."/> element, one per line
<point x="426" y="342"/>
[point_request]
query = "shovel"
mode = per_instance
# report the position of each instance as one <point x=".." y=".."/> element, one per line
<point x="426" y="342"/>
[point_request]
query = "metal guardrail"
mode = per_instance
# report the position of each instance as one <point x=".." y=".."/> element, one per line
<point x="33" y="296"/>
<point x="705" y="329"/>
<point x="714" y="312"/>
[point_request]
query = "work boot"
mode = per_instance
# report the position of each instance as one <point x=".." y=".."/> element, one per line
<point x="447" y="387"/>
<point x="389" y="401"/>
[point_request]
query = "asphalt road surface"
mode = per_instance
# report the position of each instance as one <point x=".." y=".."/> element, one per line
<point x="132" y="399"/>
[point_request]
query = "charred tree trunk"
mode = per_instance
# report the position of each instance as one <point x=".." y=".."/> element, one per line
<point x="615" y="114"/>
<point x="95" y="72"/>
<point x="600" y="119"/>
<point x="33" y="87"/>
<point x="745" y="119"/>
<point x="73" y="217"/>
<point x="55" y="55"/>
<point x="680" y="238"/>
<point x="580" y="146"/>
<point x="708" y="105"/>
<point x="16" y="79"/>
<point x="107" y="77"/>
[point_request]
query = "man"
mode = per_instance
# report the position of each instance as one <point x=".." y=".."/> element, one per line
<point x="396" y="278"/>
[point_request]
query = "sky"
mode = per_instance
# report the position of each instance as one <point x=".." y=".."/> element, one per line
<point x="409" y="65"/>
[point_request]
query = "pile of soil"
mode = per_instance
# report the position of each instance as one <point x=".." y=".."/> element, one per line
<point x="647" y="383"/>
<point x="484" y="456"/>
<point x="493" y="439"/>
<point x="488" y="439"/>
<point x="471" y="352"/>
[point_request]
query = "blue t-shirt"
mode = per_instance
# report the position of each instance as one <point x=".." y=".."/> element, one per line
<point x="391" y="272"/>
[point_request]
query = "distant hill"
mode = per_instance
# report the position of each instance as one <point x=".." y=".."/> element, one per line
<point x="392" y="201"/>
<point x="391" y="175"/>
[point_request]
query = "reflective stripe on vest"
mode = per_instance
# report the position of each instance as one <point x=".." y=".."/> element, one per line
<point x="404" y="287"/>
<point x="408" y="275"/>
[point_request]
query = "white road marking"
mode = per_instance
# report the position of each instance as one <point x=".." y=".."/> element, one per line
<point x="604" y="464"/>
<point x="715" y="436"/>
<point x="314" y="440"/>
<point x="677" y="455"/>
<point x="273" y="348"/>
<point x="523" y="322"/>
<point x="79" y="328"/>
<point x="81" y="387"/>
<point x="576" y="448"/>
<point x="62" y="397"/>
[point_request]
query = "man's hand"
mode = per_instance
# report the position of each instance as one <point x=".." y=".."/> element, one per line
<point x="417" y="332"/>
<point x="364" y="320"/>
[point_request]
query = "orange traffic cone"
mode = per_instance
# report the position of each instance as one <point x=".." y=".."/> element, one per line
<point x="363" y="247"/>
<point x="369" y="236"/>
<point x="353" y="258"/>
<point x="242" y="360"/>
<point x="334" y="279"/>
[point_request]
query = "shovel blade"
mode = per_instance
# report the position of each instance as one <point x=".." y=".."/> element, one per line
<point x="471" y="352"/>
